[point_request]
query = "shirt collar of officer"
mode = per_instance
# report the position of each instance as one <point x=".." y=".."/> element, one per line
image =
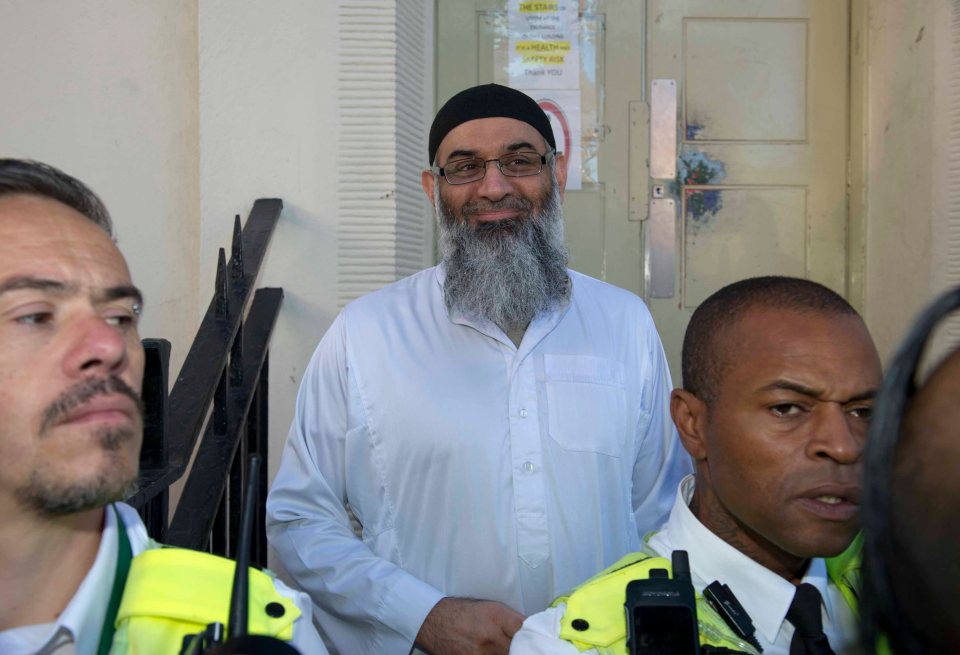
<point x="764" y="595"/>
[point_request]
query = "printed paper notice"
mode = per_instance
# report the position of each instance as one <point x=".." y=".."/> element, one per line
<point x="544" y="44"/>
<point x="544" y="63"/>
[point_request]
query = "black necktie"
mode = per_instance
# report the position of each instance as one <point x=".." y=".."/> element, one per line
<point x="804" y="614"/>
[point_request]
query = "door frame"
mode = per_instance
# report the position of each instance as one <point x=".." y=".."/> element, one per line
<point x="857" y="155"/>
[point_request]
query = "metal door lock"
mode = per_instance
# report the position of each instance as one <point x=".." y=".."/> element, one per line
<point x="658" y="191"/>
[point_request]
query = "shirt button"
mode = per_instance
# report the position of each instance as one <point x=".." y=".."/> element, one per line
<point x="523" y="413"/>
<point x="528" y="467"/>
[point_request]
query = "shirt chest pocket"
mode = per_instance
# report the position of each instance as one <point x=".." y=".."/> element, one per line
<point x="586" y="403"/>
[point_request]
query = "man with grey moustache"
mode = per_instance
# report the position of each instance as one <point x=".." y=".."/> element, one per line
<point x="498" y="425"/>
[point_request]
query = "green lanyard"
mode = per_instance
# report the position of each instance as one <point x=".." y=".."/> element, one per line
<point x="124" y="555"/>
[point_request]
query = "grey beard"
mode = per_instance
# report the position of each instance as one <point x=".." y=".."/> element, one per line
<point x="506" y="271"/>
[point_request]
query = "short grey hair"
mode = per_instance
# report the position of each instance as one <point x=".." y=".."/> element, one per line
<point x="28" y="177"/>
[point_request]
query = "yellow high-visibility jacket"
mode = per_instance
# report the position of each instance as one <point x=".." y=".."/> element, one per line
<point x="598" y="603"/>
<point x="173" y="592"/>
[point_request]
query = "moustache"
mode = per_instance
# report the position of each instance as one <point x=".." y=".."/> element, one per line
<point x="473" y="208"/>
<point x="84" y="391"/>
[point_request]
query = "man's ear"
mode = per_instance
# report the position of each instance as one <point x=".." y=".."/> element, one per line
<point x="560" y="168"/>
<point x="427" y="182"/>
<point x="689" y="414"/>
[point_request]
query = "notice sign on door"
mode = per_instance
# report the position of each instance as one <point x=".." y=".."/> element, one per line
<point x="544" y="63"/>
<point x="544" y="44"/>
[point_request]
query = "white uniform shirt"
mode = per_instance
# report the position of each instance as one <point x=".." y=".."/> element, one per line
<point x="476" y="468"/>
<point x="77" y="629"/>
<point x="764" y="595"/>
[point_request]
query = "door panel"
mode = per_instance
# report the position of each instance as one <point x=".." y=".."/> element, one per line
<point x="762" y="125"/>
<point x="584" y="225"/>
<point x="744" y="80"/>
<point x="724" y="230"/>
<point x="761" y="133"/>
<point x="604" y="239"/>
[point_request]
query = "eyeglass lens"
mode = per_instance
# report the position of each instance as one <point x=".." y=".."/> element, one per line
<point x="514" y="164"/>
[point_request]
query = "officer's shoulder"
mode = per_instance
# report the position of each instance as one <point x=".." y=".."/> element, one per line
<point x="193" y="587"/>
<point x="629" y="567"/>
<point x="594" y="611"/>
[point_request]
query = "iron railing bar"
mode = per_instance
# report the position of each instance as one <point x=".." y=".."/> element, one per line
<point x="153" y="450"/>
<point x="236" y="483"/>
<point x="154" y="393"/>
<point x="261" y="433"/>
<point x="152" y="481"/>
<point x="204" y="364"/>
<point x="218" y="531"/>
<point x="192" y="394"/>
<point x="194" y="516"/>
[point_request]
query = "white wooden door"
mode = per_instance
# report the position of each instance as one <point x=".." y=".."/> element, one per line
<point x="758" y="132"/>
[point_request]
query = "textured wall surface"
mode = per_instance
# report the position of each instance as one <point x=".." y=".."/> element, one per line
<point x="315" y="105"/>
<point x="107" y="91"/>
<point x="384" y="95"/>
<point x="181" y="113"/>
<point x="908" y="226"/>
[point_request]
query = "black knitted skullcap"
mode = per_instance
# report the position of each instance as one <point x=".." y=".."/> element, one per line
<point x="488" y="101"/>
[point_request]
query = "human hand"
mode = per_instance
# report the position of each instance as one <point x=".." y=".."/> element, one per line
<point x="467" y="626"/>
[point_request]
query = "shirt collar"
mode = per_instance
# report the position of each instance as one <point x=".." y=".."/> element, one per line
<point x="764" y="595"/>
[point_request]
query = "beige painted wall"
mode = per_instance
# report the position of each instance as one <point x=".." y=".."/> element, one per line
<point x="268" y="128"/>
<point x="180" y="113"/>
<point x="909" y="57"/>
<point x="107" y="91"/>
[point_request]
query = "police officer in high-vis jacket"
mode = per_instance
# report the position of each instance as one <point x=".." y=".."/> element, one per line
<point x="779" y="376"/>
<point x="78" y="573"/>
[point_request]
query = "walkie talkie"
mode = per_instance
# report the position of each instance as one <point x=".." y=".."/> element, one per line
<point x="210" y="642"/>
<point x="662" y="612"/>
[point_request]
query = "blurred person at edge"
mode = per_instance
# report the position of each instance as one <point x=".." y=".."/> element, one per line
<point x="911" y="574"/>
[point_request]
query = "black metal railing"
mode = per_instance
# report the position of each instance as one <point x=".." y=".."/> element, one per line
<point x="221" y="393"/>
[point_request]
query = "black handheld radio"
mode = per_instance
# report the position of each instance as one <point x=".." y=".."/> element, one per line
<point x="662" y="612"/>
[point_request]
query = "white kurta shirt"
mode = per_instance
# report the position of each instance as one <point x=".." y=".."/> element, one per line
<point x="476" y="468"/>
<point x="765" y="596"/>
<point x="77" y="629"/>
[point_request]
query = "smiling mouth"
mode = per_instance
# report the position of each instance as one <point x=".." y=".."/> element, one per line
<point x="831" y="500"/>
<point x="501" y="215"/>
